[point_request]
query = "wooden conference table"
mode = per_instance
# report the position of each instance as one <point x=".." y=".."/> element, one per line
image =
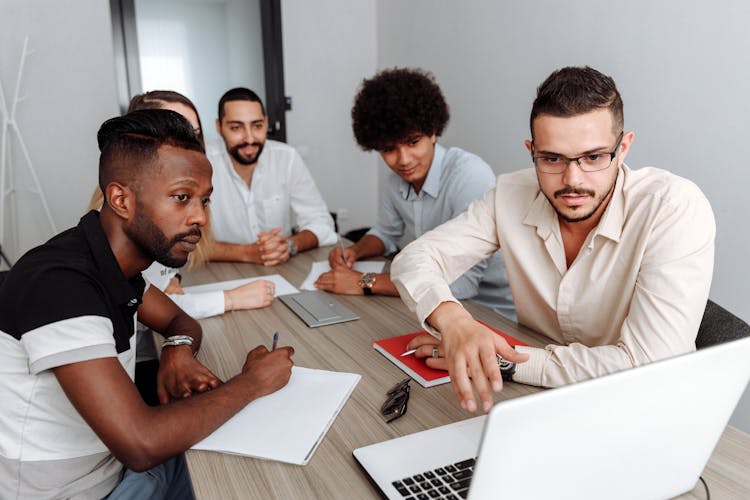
<point x="333" y="472"/>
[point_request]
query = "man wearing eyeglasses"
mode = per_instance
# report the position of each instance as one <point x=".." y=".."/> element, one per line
<point x="613" y="265"/>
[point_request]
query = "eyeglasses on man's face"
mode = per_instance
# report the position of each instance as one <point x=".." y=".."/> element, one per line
<point x="590" y="162"/>
<point x="396" y="399"/>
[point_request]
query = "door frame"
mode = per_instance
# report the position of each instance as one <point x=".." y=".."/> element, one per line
<point x="128" y="71"/>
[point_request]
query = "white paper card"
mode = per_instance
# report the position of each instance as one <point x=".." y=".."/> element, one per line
<point x="283" y="287"/>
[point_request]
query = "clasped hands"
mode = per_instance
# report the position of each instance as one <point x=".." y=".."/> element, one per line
<point x="272" y="247"/>
<point x="341" y="278"/>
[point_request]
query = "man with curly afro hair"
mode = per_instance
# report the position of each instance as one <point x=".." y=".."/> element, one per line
<point x="400" y="113"/>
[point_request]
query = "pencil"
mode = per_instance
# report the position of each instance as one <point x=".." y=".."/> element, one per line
<point x="341" y="245"/>
<point x="409" y="352"/>
<point x="275" y="341"/>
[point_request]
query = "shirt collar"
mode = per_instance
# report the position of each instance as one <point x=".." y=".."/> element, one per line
<point x="431" y="184"/>
<point x="542" y="214"/>
<point x="124" y="291"/>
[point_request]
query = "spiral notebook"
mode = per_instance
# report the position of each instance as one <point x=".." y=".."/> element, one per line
<point x="393" y="347"/>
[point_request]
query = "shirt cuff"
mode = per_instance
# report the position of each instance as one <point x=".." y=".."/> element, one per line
<point x="214" y="303"/>
<point x="435" y="296"/>
<point x="531" y="371"/>
<point x="325" y="234"/>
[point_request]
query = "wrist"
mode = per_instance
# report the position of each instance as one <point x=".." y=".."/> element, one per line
<point x="293" y="248"/>
<point x="253" y="255"/>
<point x="178" y="343"/>
<point x="228" y="302"/>
<point x="367" y="282"/>
<point x="448" y="314"/>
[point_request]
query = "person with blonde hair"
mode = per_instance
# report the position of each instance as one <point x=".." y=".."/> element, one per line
<point x="253" y="295"/>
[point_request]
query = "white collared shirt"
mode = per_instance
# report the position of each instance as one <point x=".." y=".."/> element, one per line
<point x="635" y="293"/>
<point x="282" y="194"/>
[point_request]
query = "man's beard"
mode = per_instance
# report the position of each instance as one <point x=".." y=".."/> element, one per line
<point x="234" y="152"/>
<point x="588" y="192"/>
<point x="154" y="243"/>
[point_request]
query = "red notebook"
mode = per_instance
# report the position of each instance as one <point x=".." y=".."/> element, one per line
<point x="393" y="347"/>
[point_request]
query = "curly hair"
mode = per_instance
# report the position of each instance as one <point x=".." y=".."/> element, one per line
<point x="395" y="103"/>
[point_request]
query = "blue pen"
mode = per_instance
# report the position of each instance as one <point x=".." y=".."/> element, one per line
<point x="275" y="341"/>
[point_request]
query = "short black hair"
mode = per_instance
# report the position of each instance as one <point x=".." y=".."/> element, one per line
<point x="239" y="94"/>
<point x="130" y="142"/>
<point x="572" y="91"/>
<point x="395" y="103"/>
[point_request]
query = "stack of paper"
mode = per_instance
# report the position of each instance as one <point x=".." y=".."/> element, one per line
<point x="283" y="287"/>
<point x="289" y="424"/>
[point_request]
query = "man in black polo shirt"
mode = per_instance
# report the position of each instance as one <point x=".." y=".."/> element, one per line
<point x="71" y="415"/>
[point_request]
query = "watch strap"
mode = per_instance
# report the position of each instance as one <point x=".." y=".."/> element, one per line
<point x="293" y="250"/>
<point x="507" y="368"/>
<point x="366" y="282"/>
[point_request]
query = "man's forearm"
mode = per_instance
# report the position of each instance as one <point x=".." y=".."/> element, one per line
<point x="369" y="246"/>
<point x="235" y="252"/>
<point x="305" y="240"/>
<point x="384" y="286"/>
<point x="182" y="324"/>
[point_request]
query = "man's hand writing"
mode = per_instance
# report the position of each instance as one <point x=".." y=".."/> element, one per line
<point x="340" y="280"/>
<point x="338" y="259"/>
<point x="268" y="371"/>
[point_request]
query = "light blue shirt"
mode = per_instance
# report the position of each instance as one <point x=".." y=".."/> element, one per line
<point x="455" y="179"/>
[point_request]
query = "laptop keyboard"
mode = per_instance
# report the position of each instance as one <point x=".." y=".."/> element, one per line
<point x="450" y="482"/>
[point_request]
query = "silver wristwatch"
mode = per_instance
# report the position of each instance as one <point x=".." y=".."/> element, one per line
<point x="293" y="250"/>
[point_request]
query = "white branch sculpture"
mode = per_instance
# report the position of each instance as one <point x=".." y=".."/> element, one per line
<point x="9" y="125"/>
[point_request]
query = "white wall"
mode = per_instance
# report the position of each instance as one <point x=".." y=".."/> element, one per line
<point x="681" y="67"/>
<point x="69" y="89"/>
<point x="329" y="48"/>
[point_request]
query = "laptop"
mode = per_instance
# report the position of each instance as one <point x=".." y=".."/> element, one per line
<point x="317" y="308"/>
<point x="646" y="432"/>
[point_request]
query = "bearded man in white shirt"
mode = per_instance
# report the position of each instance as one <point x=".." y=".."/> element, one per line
<point x="263" y="191"/>
<point x="613" y="265"/>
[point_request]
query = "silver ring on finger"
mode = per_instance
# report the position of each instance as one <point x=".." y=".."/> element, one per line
<point x="435" y="352"/>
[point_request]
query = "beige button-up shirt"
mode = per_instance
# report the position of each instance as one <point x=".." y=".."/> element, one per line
<point x="634" y="294"/>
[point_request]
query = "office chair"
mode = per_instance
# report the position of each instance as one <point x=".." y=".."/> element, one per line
<point x="718" y="326"/>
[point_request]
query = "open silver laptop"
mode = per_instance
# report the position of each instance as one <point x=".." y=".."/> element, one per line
<point x="317" y="308"/>
<point x="641" y="433"/>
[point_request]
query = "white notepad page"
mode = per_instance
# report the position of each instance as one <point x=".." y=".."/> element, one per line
<point x="289" y="424"/>
<point x="320" y="267"/>
<point x="283" y="287"/>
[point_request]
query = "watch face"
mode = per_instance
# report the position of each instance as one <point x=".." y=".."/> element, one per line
<point x="367" y="280"/>
<point x="292" y="247"/>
